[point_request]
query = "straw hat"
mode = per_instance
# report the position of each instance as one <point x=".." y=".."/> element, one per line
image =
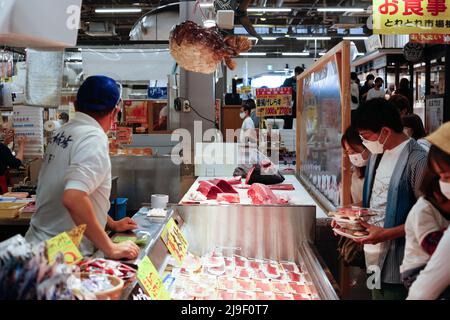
<point x="441" y="137"/>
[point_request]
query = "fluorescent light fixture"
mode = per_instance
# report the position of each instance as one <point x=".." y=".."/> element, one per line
<point x="252" y="54"/>
<point x="355" y="38"/>
<point x="206" y="5"/>
<point x="209" y="23"/>
<point x="313" y="38"/>
<point x="338" y="9"/>
<point x="119" y="10"/>
<point x="264" y="38"/>
<point x="262" y="19"/>
<point x="295" y="53"/>
<point x="322" y="53"/>
<point x="269" y="10"/>
<point x="360" y="54"/>
<point x="287" y="36"/>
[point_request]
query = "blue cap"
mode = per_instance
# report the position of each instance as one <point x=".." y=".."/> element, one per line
<point x="98" y="93"/>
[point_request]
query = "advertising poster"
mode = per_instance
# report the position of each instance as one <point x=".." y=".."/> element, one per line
<point x="136" y="111"/>
<point x="273" y="102"/>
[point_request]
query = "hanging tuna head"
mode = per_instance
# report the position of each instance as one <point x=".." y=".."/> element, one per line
<point x="200" y="49"/>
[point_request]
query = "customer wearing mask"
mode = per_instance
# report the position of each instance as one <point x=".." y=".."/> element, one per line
<point x="366" y="87"/>
<point x="248" y="127"/>
<point x="391" y="187"/>
<point x="413" y="127"/>
<point x="359" y="156"/>
<point x="427" y="242"/>
<point x="376" y="91"/>
<point x="253" y="115"/>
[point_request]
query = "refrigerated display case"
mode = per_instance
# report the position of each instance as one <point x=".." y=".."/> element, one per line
<point x="267" y="233"/>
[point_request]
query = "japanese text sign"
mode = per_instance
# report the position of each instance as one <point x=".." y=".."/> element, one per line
<point x="63" y="243"/>
<point x="175" y="240"/>
<point x="430" y="38"/>
<point x="150" y="280"/>
<point x="273" y="102"/>
<point x="411" y="16"/>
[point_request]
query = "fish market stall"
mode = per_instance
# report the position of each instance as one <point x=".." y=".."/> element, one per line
<point x="240" y="252"/>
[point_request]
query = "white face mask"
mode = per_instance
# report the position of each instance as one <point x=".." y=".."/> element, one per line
<point x="445" y="188"/>
<point x="375" y="147"/>
<point x="357" y="160"/>
<point x="242" y="115"/>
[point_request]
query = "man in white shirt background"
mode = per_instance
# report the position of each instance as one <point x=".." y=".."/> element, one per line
<point x="377" y="91"/>
<point x="393" y="177"/>
<point x="74" y="183"/>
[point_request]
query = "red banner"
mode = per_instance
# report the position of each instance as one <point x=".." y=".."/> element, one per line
<point x="430" y="38"/>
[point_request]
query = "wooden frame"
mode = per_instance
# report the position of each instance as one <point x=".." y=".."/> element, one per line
<point x="341" y="54"/>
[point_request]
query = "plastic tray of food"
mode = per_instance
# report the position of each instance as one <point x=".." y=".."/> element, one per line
<point x="353" y="213"/>
<point x="349" y="224"/>
<point x="351" y="234"/>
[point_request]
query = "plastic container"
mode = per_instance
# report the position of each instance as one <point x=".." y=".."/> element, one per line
<point x="118" y="208"/>
<point x="10" y="210"/>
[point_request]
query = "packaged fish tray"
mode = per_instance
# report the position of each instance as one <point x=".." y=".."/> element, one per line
<point x="227" y="283"/>
<point x="281" y="286"/>
<point x="244" y="295"/>
<point x="264" y="295"/>
<point x="245" y="284"/>
<point x="289" y="266"/>
<point x="225" y="294"/>
<point x="263" y="285"/>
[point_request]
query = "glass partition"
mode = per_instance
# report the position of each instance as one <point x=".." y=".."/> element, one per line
<point x="320" y="150"/>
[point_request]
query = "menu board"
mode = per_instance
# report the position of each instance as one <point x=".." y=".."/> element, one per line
<point x="321" y="152"/>
<point x="29" y="122"/>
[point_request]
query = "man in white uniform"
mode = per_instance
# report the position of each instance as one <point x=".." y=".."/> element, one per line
<point x="75" y="179"/>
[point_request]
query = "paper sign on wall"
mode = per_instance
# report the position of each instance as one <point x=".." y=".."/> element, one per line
<point x="63" y="243"/>
<point x="175" y="240"/>
<point x="150" y="280"/>
<point x="411" y="16"/>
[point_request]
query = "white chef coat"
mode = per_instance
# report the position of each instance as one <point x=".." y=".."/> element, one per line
<point x="422" y="220"/>
<point x="246" y="129"/>
<point x="76" y="158"/>
<point x="378" y="199"/>
<point x="435" y="278"/>
<point x="372" y="94"/>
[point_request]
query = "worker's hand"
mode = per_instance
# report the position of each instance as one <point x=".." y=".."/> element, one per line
<point x="126" y="224"/>
<point x="376" y="234"/>
<point x="125" y="250"/>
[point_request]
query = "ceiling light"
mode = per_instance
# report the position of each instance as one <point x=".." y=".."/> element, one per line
<point x="286" y="36"/>
<point x="206" y="5"/>
<point x="262" y="19"/>
<point x="119" y="10"/>
<point x="304" y="53"/>
<point x="355" y="38"/>
<point x="209" y="23"/>
<point x="269" y="10"/>
<point x="313" y="38"/>
<point x="322" y="53"/>
<point x="360" y="54"/>
<point x="252" y="54"/>
<point x="264" y="38"/>
<point x="338" y="9"/>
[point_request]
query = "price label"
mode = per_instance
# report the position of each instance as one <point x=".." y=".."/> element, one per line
<point x="175" y="240"/>
<point x="63" y="243"/>
<point x="150" y="280"/>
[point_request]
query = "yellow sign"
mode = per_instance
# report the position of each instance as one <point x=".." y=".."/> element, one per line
<point x="175" y="240"/>
<point x="63" y="243"/>
<point x="150" y="280"/>
<point x="411" y="16"/>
